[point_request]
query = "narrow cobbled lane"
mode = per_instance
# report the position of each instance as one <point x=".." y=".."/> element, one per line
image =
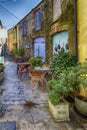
<point x="21" y="116"/>
<point x="13" y="98"/>
<point x="13" y="95"/>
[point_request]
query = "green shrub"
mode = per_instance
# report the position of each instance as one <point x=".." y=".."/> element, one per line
<point x="59" y="89"/>
<point x="2" y="67"/>
<point x="19" y="52"/>
<point x="61" y="61"/>
<point x="36" y="61"/>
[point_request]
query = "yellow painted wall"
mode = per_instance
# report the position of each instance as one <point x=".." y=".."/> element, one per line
<point x="12" y="39"/>
<point x="82" y="29"/>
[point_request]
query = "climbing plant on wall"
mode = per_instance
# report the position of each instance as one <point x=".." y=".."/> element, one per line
<point x="47" y="24"/>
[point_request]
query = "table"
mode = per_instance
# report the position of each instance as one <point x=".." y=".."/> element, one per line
<point x="24" y="67"/>
<point x="48" y="74"/>
<point x="42" y="68"/>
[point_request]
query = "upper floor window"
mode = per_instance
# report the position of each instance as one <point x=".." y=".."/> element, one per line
<point x="37" y="20"/>
<point x="24" y="28"/>
<point x="56" y="9"/>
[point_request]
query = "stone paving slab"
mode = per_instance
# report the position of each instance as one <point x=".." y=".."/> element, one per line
<point x="9" y="125"/>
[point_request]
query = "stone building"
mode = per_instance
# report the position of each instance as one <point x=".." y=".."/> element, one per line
<point x="12" y="38"/>
<point x="3" y="37"/>
<point x="47" y="27"/>
<point x="34" y="30"/>
<point x="62" y="29"/>
<point x="25" y="33"/>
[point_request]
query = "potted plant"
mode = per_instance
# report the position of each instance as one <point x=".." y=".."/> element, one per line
<point x="76" y="79"/>
<point x="60" y="85"/>
<point x="58" y="106"/>
<point x="36" y="61"/>
<point x="19" y="54"/>
<point x="81" y="98"/>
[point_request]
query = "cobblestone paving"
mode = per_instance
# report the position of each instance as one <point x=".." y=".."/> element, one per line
<point x="36" y="117"/>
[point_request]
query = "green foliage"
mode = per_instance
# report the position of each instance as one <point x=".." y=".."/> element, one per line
<point x="36" y="61"/>
<point x="59" y="89"/>
<point x="19" y="52"/>
<point x="61" y="61"/>
<point x="53" y="96"/>
<point x="67" y="14"/>
<point x="2" y="66"/>
<point x="69" y="80"/>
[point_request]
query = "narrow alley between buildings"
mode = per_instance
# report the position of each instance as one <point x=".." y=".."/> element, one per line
<point x="17" y="114"/>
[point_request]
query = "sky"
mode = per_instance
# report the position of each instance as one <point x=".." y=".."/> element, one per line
<point x="12" y="11"/>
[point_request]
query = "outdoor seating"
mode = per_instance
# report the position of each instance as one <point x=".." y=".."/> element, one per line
<point x="23" y="68"/>
<point x="48" y="74"/>
<point x="39" y="76"/>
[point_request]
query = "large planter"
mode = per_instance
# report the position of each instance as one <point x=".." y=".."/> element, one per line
<point x="59" y="112"/>
<point x="81" y="104"/>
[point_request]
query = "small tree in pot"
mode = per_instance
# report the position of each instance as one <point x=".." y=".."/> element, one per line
<point x="58" y="107"/>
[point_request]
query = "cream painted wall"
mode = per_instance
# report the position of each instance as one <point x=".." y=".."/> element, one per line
<point x="82" y="29"/>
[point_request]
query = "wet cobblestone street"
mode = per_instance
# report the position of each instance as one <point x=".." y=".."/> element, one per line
<point x="37" y="117"/>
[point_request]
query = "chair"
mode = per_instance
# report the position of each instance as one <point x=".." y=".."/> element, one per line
<point x="23" y="68"/>
<point x="37" y="75"/>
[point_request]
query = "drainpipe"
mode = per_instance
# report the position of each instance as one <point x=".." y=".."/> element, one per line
<point x="75" y="23"/>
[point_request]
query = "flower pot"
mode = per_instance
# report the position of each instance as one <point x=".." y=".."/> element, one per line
<point x="81" y="104"/>
<point x="59" y="112"/>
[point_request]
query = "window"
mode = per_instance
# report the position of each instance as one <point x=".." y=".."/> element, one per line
<point x="37" y="20"/>
<point x="27" y="44"/>
<point x="24" y="28"/>
<point x="56" y="9"/>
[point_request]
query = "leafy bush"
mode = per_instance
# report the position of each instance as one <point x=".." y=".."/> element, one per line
<point x="59" y="88"/>
<point x="69" y="80"/>
<point x="36" y="61"/>
<point x="61" y="61"/>
<point x="19" y="52"/>
<point x="2" y="67"/>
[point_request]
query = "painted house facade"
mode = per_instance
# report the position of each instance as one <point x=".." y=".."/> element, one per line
<point x="47" y="27"/>
<point x="25" y="33"/>
<point x="3" y="39"/>
<point x="82" y="29"/>
<point x="12" y="38"/>
<point x="62" y="27"/>
<point x="33" y="31"/>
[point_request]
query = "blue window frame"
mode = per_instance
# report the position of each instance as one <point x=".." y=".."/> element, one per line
<point x="27" y="43"/>
<point x="24" y="28"/>
<point x="37" y="20"/>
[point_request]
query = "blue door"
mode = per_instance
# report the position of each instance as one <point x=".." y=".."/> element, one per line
<point x="39" y="47"/>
